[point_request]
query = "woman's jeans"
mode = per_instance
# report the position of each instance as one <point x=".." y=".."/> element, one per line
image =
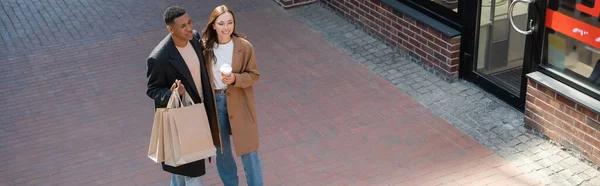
<point x="225" y="161"/>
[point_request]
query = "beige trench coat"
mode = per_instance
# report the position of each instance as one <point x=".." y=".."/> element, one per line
<point x="240" y="98"/>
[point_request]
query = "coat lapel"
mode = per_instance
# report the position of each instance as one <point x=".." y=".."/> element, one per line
<point x="177" y="61"/>
<point x="198" y="50"/>
<point x="204" y="71"/>
<point x="236" y="61"/>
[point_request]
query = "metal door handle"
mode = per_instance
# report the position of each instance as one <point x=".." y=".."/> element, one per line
<point x="510" y="17"/>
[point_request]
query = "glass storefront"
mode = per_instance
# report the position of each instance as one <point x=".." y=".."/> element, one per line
<point x="445" y="11"/>
<point x="572" y="47"/>
<point x="449" y="4"/>
<point x="560" y="38"/>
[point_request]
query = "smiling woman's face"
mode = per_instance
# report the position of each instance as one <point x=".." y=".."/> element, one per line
<point x="224" y="25"/>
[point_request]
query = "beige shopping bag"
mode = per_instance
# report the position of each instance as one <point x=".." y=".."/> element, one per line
<point x="156" y="148"/>
<point x="190" y="135"/>
<point x="161" y="147"/>
<point x="168" y="141"/>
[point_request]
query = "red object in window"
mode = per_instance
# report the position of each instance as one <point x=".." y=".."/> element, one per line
<point x="573" y="28"/>
<point x="593" y="11"/>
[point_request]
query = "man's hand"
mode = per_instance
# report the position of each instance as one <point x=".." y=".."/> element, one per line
<point x="179" y="86"/>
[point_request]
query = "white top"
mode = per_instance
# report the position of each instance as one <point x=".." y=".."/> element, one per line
<point x="193" y="63"/>
<point x="224" y="55"/>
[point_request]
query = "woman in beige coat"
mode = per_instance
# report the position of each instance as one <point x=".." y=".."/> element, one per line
<point x="234" y="97"/>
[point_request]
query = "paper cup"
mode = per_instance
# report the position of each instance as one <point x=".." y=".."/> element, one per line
<point x="225" y="70"/>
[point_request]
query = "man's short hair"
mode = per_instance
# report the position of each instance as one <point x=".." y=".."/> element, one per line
<point x="172" y="13"/>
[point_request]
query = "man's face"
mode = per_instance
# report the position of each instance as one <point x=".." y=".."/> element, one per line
<point x="182" y="27"/>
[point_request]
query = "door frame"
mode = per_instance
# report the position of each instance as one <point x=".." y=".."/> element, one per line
<point x="470" y="44"/>
<point x="534" y="43"/>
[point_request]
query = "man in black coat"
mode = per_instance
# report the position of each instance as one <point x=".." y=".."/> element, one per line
<point x="177" y="62"/>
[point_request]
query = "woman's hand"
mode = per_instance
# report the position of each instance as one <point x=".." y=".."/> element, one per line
<point x="228" y="80"/>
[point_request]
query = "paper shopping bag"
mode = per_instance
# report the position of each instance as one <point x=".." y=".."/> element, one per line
<point x="190" y="135"/>
<point x="169" y="150"/>
<point x="194" y="139"/>
<point x="156" y="147"/>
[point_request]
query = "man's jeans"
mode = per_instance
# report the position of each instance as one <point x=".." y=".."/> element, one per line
<point x="225" y="162"/>
<point x="179" y="180"/>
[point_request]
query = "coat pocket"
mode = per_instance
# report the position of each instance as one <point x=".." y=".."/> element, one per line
<point x="249" y="115"/>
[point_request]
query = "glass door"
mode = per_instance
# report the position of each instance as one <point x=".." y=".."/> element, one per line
<point x="501" y="48"/>
<point x="502" y="53"/>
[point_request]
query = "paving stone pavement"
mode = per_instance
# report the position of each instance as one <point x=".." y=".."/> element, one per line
<point x="75" y="113"/>
<point x="37" y="25"/>
<point x="482" y="116"/>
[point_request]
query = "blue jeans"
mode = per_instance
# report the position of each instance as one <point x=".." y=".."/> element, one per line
<point x="225" y="163"/>
<point x="179" y="180"/>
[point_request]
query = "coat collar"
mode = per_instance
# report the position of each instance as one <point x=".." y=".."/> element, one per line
<point x="177" y="61"/>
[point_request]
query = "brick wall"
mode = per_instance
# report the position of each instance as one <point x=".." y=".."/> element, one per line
<point x="563" y="120"/>
<point x="435" y="51"/>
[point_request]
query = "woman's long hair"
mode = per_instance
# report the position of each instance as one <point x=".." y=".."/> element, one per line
<point x="209" y="35"/>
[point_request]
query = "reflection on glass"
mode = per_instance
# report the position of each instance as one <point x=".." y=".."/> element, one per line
<point x="450" y="4"/>
<point x="572" y="56"/>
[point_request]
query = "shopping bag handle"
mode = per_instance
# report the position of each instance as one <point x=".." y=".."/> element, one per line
<point x="175" y="101"/>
